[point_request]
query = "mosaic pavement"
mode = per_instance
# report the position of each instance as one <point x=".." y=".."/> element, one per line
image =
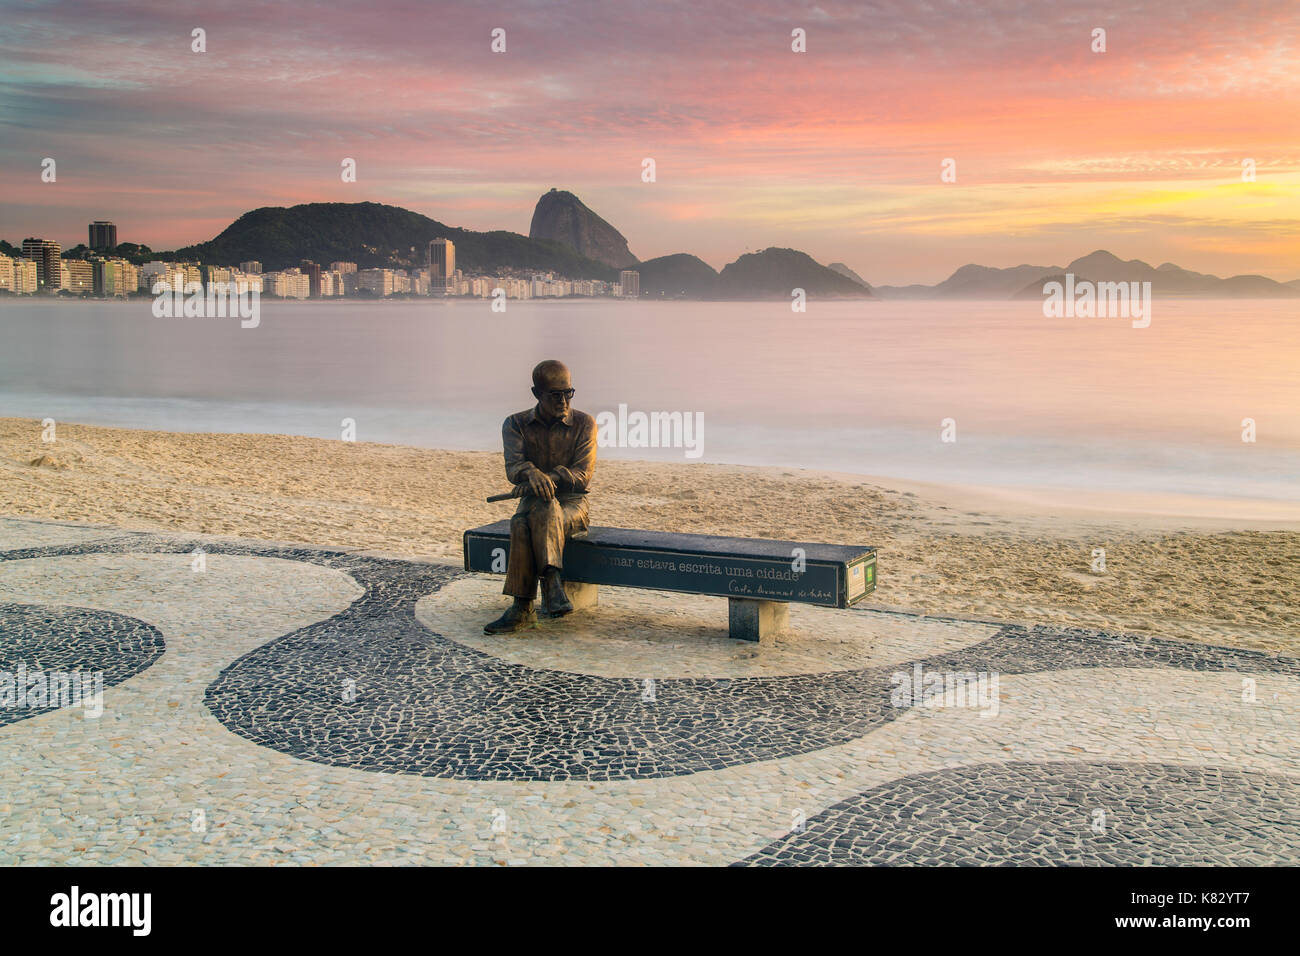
<point x="271" y="704"/>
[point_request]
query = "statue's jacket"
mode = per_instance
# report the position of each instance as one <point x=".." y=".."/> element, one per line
<point x="563" y="448"/>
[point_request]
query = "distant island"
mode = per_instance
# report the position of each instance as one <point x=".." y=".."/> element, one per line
<point x="1026" y="281"/>
<point x="569" y="241"/>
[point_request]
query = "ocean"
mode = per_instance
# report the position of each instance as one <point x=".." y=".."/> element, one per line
<point x="977" y="393"/>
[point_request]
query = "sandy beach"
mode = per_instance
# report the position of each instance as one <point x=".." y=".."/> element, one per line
<point x="1227" y="575"/>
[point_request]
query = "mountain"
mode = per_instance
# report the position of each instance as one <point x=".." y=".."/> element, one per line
<point x="1106" y="266"/>
<point x="1172" y="280"/>
<point x="679" y="276"/>
<point x="914" y="291"/>
<point x="776" y="272"/>
<point x="568" y="239"/>
<point x="845" y="271"/>
<point x="1035" y="289"/>
<point x="983" y="282"/>
<point x="1236" y="287"/>
<point x="374" y="235"/>
<point x="1026" y="281"/>
<point x="562" y="217"/>
<point x="1253" y="287"/>
<point x="972" y="282"/>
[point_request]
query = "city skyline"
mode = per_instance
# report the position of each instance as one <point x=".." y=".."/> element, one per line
<point x="171" y="256"/>
<point x="41" y="269"/>
<point x="836" y="151"/>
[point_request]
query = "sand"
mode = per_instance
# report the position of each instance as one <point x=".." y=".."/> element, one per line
<point x="1227" y="576"/>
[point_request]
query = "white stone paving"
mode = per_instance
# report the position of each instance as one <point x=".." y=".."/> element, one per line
<point x="643" y="634"/>
<point x="125" y="788"/>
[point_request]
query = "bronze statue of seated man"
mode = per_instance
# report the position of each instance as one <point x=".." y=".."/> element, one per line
<point x="550" y="449"/>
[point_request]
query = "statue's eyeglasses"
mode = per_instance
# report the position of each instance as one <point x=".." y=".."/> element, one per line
<point x="558" y="393"/>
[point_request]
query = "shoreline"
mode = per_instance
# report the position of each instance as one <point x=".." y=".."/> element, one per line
<point x="944" y="549"/>
<point x="1154" y="508"/>
<point x="1170" y="509"/>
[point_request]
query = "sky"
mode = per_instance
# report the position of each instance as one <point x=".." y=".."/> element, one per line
<point x="1058" y="150"/>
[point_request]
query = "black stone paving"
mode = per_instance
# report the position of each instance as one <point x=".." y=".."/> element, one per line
<point x="427" y="705"/>
<point x="45" y="640"/>
<point x="1027" y="814"/>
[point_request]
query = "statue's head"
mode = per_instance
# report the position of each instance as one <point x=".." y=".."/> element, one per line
<point x="552" y="388"/>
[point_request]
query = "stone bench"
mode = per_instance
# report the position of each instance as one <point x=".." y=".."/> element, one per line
<point x="760" y="578"/>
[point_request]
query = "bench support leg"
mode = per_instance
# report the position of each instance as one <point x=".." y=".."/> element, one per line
<point x="581" y="595"/>
<point x="752" y="620"/>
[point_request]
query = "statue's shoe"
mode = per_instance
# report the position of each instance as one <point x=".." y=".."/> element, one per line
<point x="513" y="620"/>
<point x="557" y="602"/>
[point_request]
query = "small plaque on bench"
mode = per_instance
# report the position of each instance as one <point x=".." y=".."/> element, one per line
<point x="756" y="569"/>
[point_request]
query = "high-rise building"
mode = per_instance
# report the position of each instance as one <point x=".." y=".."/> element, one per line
<point x="115" y="277"/>
<point x="17" y="275"/>
<point x="442" y="267"/>
<point x="252" y="267"/>
<point x="45" y="253"/>
<point x="25" y="277"/>
<point x="81" y="277"/>
<point x="629" y="283"/>
<point x="246" y="281"/>
<point x="289" y="284"/>
<point x="344" y="267"/>
<point x="103" y="235"/>
<point x="130" y="277"/>
<point x="377" y="282"/>
<point x="312" y="271"/>
<point x="167" y="276"/>
<point x="121" y="278"/>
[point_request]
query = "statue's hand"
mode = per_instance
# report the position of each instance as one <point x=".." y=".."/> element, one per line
<point x="541" y="485"/>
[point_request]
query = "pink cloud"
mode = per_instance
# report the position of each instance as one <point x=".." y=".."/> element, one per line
<point x="177" y="144"/>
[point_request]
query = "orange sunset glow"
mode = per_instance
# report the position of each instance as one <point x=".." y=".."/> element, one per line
<point x="1059" y="148"/>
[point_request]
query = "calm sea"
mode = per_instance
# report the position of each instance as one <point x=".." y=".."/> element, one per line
<point x="856" y="387"/>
